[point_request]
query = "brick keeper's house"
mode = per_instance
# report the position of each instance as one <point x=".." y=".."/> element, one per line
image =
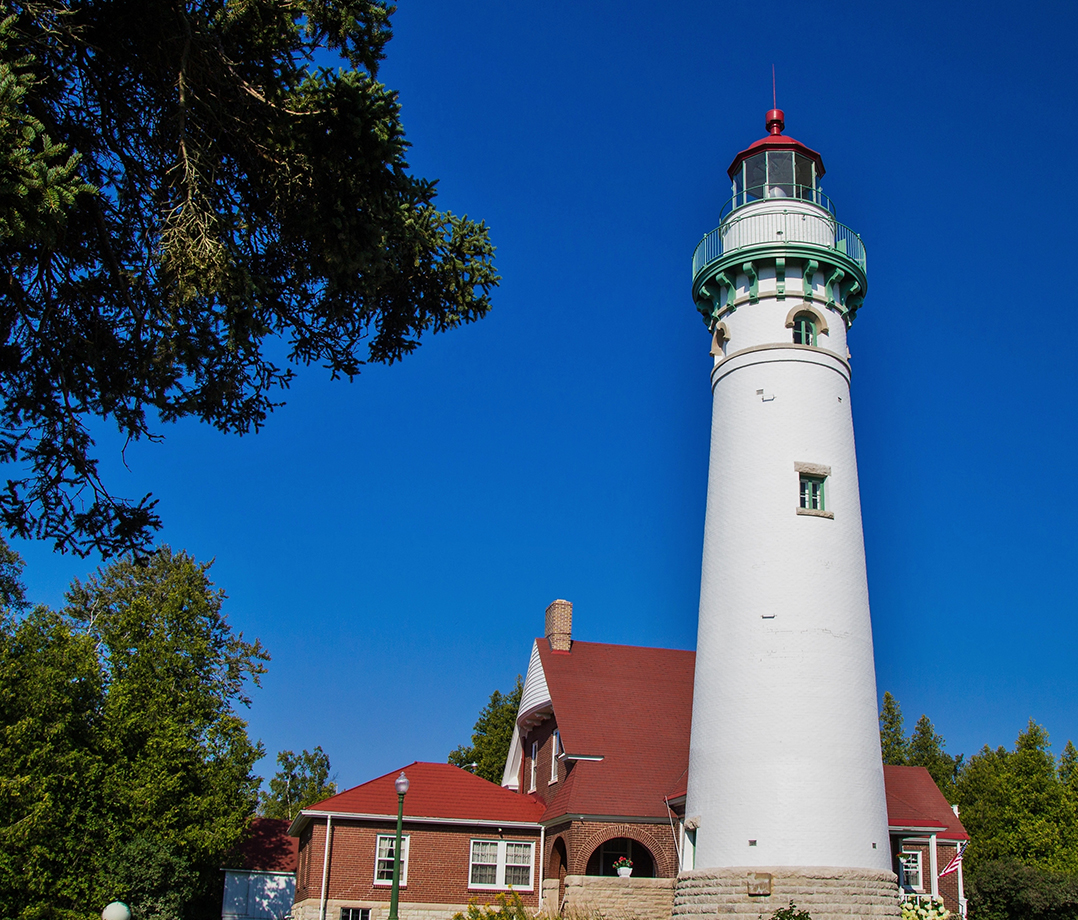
<point x="597" y="770"/>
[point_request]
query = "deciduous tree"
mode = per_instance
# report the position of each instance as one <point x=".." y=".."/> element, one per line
<point x="125" y="772"/>
<point x="1015" y="806"/>
<point x="190" y="204"/>
<point x="302" y="780"/>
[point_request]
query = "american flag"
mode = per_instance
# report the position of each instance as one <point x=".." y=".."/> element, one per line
<point x="953" y="865"/>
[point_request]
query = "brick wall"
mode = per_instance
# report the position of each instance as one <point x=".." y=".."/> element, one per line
<point x="945" y="852"/>
<point x="581" y="838"/>
<point x="438" y="864"/>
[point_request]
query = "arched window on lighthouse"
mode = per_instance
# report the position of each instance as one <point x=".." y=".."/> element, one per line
<point x="804" y="329"/>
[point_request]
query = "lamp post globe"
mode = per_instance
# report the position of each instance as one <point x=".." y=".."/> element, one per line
<point x="117" y="910"/>
<point x="401" y="785"/>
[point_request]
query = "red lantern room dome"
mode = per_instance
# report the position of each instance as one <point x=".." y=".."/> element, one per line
<point x="776" y="140"/>
<point x="776" y="166"/>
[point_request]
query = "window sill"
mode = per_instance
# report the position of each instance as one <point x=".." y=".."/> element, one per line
<point x="378" y="884"/>
<point x="812" y="512"/>
<point x="472" y="887"/>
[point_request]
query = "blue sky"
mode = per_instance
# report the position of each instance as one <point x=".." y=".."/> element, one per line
<point x="394" y="542"/>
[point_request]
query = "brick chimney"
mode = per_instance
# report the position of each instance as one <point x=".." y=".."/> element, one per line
<point x="559" y="626"/>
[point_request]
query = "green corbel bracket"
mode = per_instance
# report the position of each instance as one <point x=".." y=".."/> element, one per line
<point x="811" y="267"/>
<point x="853" y="304"/>
<point x="754" y="282"/>
<point x="780" y="279"/>
<point x="707" y="305"/>
<point x="836" y="277"/>
<point x="731" y="291"/>
<point x="851" y="290"/>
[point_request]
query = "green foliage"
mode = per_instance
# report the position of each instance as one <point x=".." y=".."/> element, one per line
<point x="791" y="913"/>
<point x="1007" y="890"/>
<point x="893" y="741"/>
<point x="51" y="766"/>
<point x="924" y="907"/>
<point x="302" y="780"/>
<point x="492" y="735"/>
<point x="124" y="771"/>
<point x="506" y="906"/>
<point x="182" y="191"/>
<point x="1016" y="806"/>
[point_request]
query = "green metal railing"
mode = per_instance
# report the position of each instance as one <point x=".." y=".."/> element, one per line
<point x="774" y="227"/>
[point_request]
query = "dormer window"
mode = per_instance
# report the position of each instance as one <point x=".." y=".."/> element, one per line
<point x="804" y="329"/>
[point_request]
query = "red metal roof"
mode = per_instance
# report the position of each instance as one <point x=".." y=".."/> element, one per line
<point x="266" y="848"/>
<point x="436" y="790"/>
<point x="914" y="800"/>
<point x="633" y="707"/>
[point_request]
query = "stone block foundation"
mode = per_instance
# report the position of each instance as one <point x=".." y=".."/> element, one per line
<point x="756" y="892"/>
<point x="591" y="897"/>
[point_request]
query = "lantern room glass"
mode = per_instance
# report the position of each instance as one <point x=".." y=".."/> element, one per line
<point x="775" y="174"/>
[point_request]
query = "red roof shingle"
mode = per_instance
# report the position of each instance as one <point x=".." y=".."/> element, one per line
<point x="436" y="790"/>
<point x="266" y="848"/>
<point x="632" y="706"/>
<point x="914" y="800"/>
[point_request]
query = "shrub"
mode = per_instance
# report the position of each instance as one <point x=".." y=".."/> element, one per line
<point x="924" y="908"/>
<point x="790" y="913"/>
<point x="506" y="906"/>
<point x="1005" y="889"/>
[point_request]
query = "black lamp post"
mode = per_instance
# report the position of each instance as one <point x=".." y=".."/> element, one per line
<point x="401" y="785"/>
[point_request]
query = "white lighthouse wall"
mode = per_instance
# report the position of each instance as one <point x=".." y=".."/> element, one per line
<point x="785" y="764"/>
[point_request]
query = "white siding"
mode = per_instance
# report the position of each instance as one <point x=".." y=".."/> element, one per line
<point x="258" y="895"/>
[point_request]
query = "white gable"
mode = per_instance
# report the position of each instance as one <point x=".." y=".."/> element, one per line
<point x="535" y="705"/>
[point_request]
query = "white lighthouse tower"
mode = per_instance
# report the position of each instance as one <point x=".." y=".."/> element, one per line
<point x="785" y="790"/>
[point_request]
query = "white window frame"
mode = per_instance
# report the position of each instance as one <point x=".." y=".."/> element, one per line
<point x="503" y="846"/>
<point x="906" y="857"/>
<point x="532" y="769"/>
<point x="555" y="744"/>
<point x="379" y="858"/>
<point x="356" y="913"/>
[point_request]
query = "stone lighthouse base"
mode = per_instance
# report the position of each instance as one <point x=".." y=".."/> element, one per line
<point x="756" y="892"/>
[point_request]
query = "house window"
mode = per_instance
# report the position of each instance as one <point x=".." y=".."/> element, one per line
<point x="383" y="863"/>
<point x="555" y="749"/>
<point x="355" y="913"/>
<point x="909" y="862"/>
<point x="535" y="754"/>
<point x="812" y="492"/>
<point x="501" y="864"/>
<point x="805" y="329"/>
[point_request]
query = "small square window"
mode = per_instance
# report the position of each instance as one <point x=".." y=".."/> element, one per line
<point x="355" y="913"/>
<point x="812" y="497"/>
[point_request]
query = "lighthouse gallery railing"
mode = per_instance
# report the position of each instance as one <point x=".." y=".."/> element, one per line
<point x="752" y="229"/>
